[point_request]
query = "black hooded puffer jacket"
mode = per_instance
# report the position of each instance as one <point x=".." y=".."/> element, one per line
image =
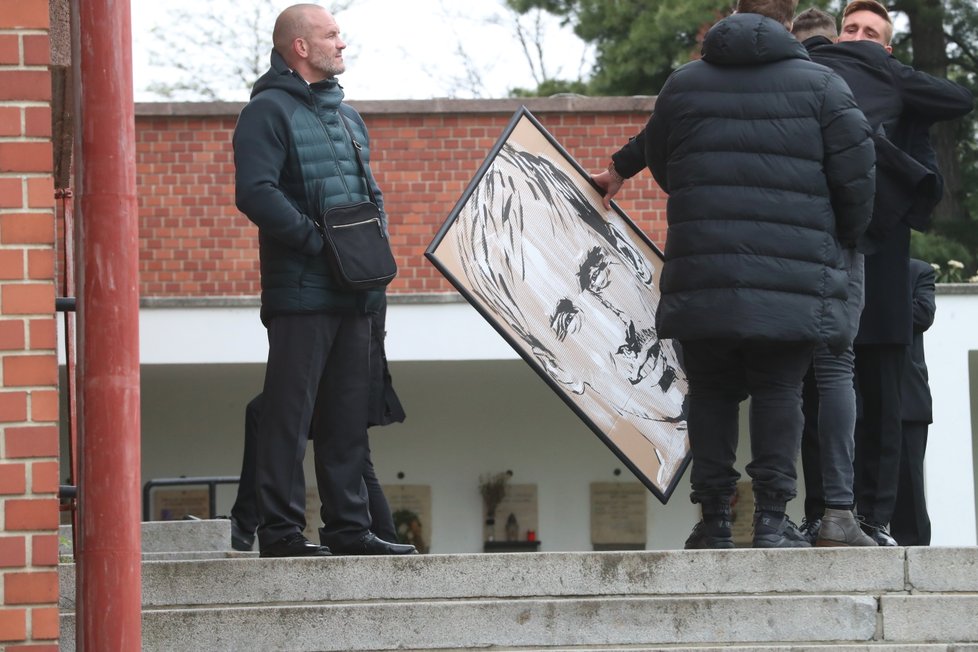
<point x="769" y="166"/>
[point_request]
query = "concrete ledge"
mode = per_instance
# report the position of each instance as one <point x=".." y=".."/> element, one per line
<point x="198" y="555"/>
<point x="561" y="103"/>
<point x="171" y="536"/>
<point x="943" y="569"/>
<point x="254" y="301"/>
<point x="522" y="623"/>
<point x="808" y="647"/>
<point x="930" y="618"/>
<point x="520" y="575"/>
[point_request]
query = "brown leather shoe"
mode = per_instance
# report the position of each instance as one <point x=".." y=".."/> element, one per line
<point x="841" y="529"/>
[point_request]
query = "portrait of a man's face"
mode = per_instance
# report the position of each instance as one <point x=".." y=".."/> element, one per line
<point x="573" y="289"/>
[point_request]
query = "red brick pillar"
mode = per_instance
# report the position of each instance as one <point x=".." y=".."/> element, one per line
<point x="28" y="357"/>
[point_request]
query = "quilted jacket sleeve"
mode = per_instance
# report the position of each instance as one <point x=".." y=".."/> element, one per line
<point x="260" y="150"/>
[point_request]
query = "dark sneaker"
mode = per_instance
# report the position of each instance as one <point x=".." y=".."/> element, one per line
<point x="879" y="534"/>
<point x="710" y="534"/>
<point x="840" y="528"/>
<point x="809" y="529"/>
<point x="773" y="532"/>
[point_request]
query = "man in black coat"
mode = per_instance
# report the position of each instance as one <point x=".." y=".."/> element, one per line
<point x="910" y="524"/>
<point x="768" y="164"/>
<point x="905" y="112"/>
<point x="905" y="192"/>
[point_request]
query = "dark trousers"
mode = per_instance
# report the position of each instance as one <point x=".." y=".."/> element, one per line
<point x="245" y="509"/>
<point x="811" y="450"/>
<point x="910" y="524"/>
<point x="721" y="374"/>
<point x="879" y="368"/>
<point x="316" y="363"/>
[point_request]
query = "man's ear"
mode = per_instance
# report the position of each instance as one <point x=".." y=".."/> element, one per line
<point x="888" y="48"/>
<point x="300" y="47"/>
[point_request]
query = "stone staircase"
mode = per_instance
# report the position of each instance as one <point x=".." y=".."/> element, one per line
<point x="906" y="599"/>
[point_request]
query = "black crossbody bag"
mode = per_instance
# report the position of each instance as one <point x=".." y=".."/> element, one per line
<point x="357" y="249"/>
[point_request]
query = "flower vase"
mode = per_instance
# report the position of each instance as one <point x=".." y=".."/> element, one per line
<point x="490" y="528"/>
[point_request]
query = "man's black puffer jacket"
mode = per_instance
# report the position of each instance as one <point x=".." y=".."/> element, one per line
<point x="294" y="158"/>
<point x="769" y="166"/>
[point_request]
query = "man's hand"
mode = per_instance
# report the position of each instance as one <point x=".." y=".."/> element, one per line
<point x="610" y="183"/>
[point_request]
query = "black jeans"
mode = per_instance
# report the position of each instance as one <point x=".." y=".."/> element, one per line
<point x="722" y="373"/>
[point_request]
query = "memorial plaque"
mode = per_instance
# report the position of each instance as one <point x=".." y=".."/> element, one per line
<point x="313" y="522"/>
<point x="618" y="515"/>
<point x="742" y="515"/>
<point x="411" y="508"/>
<point x="175" y="504"/>
<point x="516" y="515"/>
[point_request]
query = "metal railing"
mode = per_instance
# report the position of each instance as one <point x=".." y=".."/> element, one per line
<point x="210" y="481"/>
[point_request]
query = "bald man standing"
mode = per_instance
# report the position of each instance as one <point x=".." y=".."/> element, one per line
<point x="295" y="156"/>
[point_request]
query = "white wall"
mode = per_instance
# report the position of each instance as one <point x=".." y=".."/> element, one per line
<point x="949" y="464"/>
<point x="464" y="419"/>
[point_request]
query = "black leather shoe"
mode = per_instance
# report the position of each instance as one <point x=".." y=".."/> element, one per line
<point x="879" y="534"/>
<point x="294" y="545"/>
<point x="809" y="529"/>
<point x="241" y="539"/>
<point x="371" y="544"/>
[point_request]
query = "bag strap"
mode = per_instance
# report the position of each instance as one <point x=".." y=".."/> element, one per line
<point x="356" y="152"/>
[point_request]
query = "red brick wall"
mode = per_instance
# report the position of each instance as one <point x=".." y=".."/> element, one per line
<point x="28" y="361"/>
<point x="195" y="243"/>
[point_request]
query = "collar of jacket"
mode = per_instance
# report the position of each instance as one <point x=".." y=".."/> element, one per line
<point x="750" y="39"/>
<point x="816" y="41"/>
<point x="327" y="92"/>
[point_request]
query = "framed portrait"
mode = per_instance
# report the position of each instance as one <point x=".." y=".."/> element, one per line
<point x="573" y="288"/>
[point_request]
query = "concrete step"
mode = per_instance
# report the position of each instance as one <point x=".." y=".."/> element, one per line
<point x="897" y="598"/>
<point x="170" y="537"/>
<point x="520" y="575"/>
<point x="557" y="623"/>
<point x="515" y="622"/>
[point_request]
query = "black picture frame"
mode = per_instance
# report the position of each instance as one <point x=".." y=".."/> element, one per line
<point x="572" y="288"/>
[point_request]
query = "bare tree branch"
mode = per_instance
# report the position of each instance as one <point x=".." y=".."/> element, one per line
<point x="216" y="50"/>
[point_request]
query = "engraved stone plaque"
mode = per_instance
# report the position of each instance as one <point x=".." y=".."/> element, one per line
<point x="618" y="515"/>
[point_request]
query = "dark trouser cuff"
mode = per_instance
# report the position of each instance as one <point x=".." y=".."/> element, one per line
<point x="714" y="505"/>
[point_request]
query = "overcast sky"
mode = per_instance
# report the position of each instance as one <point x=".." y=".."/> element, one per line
<point x="406" y="50"/>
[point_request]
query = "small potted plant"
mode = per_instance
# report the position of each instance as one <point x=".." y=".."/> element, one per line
<point x="492" y="486"/>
